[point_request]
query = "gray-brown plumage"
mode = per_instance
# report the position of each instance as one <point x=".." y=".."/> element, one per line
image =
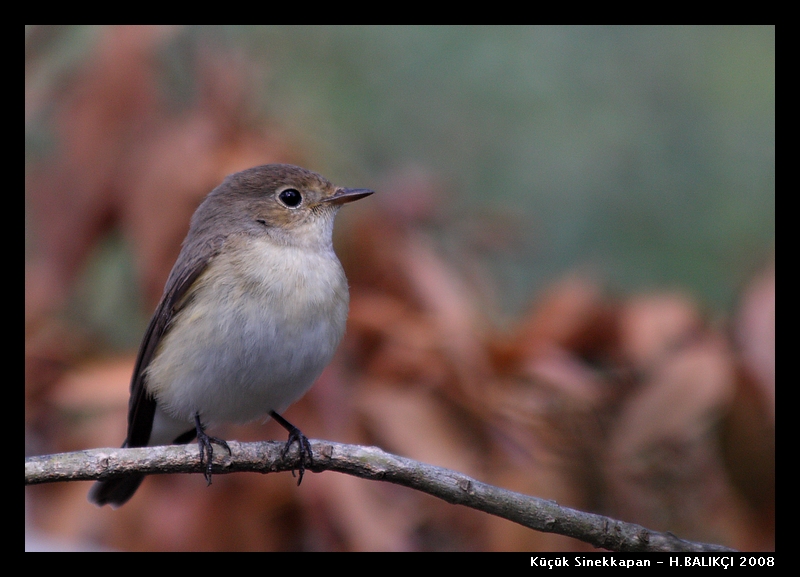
<point x="252" y="312"/>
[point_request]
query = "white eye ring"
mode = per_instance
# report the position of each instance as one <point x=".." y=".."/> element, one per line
<point x="290" y="198"/>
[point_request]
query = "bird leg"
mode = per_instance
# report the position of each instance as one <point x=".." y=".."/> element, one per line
<point x="206" y="450"/>
<point x="302" y="442"/>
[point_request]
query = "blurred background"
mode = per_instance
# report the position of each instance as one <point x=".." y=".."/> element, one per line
<point x="564" y="285"/>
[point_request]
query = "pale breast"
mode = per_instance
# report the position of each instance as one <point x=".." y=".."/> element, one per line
<point x="259" y="327"/>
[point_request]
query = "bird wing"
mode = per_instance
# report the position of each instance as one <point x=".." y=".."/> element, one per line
<point x="142" y="406"/>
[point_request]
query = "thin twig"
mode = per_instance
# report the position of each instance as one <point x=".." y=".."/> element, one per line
<point x="367" y="463"/>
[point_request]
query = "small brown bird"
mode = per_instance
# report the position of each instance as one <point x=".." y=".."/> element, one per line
<point x="251" y="314"/>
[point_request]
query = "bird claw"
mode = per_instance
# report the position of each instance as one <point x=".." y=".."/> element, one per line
<point x="304" y="446"/>
<point x="205" y="442"/>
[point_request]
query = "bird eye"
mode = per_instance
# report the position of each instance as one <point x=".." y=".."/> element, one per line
<point x="290" y="197"/>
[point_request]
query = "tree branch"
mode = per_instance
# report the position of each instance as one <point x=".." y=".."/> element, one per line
<point x="367" y="463"/>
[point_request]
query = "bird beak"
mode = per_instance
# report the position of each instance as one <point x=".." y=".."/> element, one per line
<point x="343" y="195"/>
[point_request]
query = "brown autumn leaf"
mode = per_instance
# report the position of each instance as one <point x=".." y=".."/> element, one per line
<point x="748" y="430"/>
<point x="663" y="468"/>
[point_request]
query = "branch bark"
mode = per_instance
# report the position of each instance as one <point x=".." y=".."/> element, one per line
<point x="367" y="463"/>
